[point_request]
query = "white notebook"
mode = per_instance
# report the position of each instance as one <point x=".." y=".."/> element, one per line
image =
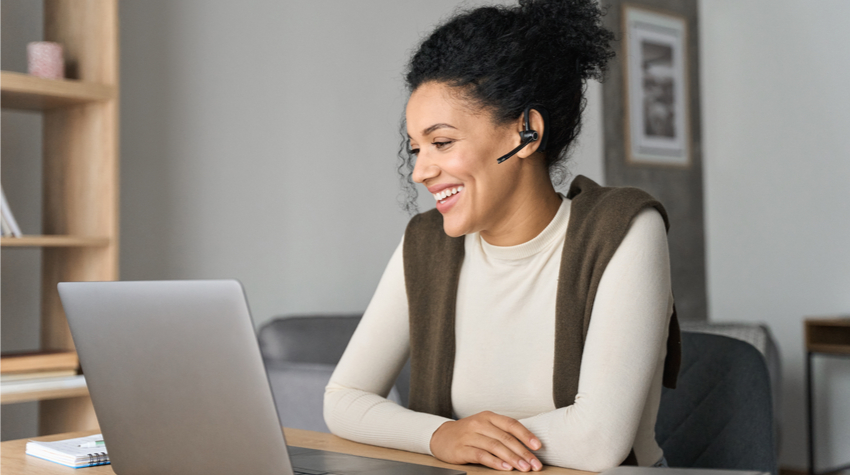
<point x="69" y="453"/>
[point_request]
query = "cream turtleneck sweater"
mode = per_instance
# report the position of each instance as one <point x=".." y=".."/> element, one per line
<point x="505" y="321"/>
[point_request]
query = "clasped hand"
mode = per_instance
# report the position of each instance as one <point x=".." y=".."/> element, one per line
<point x="489" y="439"/>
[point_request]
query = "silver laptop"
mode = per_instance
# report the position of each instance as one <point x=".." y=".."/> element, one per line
<point x="178" y="383"/>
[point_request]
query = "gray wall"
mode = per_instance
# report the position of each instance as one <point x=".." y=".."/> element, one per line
<point x="259" y="142"/>
<point x="777" y="199"/>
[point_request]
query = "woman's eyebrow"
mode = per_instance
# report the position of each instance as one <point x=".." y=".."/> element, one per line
<point x="435" y="127"/>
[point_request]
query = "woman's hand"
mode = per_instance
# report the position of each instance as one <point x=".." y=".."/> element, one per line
<point x="486" y="438"/>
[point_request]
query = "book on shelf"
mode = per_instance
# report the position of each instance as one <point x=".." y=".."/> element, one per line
<point x="6" y="229"/>
<point x="27" y="362"/>
<point x="9" y="224"/>
<point x="76" y="453"/>
<point x="29" y="375"/>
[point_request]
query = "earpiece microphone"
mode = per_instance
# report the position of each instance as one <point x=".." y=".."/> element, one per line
<point x="527" y="135"/>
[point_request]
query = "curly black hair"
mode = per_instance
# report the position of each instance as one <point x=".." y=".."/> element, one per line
<point x="501" y="59"/>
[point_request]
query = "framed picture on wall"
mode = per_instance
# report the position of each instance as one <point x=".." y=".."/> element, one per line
<point x="656" y="87"/>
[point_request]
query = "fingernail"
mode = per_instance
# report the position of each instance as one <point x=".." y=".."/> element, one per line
<point x="523" y="465"/>
<point x="535" y="444"/>
<point x="506" y="466"/>
<point x="536" y="464"/>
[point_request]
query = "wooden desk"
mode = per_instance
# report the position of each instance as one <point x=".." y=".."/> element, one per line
<point x="14" y="461"/>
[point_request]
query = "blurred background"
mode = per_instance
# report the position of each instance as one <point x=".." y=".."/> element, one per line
<point x="258" y="141"/>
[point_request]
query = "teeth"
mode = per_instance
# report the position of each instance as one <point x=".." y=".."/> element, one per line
<point x="447" y="192"/>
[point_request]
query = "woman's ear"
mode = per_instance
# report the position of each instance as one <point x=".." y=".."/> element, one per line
<point x="537" y="124"/>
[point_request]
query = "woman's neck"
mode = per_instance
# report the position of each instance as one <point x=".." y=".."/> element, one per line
<point x="537" y="203"/>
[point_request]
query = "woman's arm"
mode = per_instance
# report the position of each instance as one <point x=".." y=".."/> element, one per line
<point x="622" y="356"/>
<point x="355" y="405"/>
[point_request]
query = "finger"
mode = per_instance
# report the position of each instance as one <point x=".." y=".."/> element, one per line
<point x="519" y="450"/>
<point x="500" y="450"/>
<point x="481" y="456"/>
<point x="515" y="436"/>
<point x="515" y="427"/>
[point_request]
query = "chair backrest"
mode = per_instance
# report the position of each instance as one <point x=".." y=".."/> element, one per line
<point x="720" y="415"/>
<point x="300" y="353"/>
<point x="307" y="338"/>
<point x="316" y="339"/>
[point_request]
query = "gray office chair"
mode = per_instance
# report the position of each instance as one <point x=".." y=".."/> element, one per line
<point x="300" y="353"/>
<point x="720" y="415"/>
<point x="307" y="338"/>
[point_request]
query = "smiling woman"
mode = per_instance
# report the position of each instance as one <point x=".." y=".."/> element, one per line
<point x="537" y="324"/>
<point x="507" y="203"/>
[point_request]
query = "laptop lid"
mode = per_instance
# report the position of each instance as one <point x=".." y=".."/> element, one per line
<point x="176" y="377"/>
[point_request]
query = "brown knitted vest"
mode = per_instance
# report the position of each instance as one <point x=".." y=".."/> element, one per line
<point x="599" y="219"/>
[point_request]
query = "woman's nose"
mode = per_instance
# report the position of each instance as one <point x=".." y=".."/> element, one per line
<point x="424" y="169"/>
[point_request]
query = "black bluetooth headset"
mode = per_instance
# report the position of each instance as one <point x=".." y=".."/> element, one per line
<point x="527" y="135"/>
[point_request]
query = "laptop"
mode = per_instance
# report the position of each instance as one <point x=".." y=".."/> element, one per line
<point x="178" y="384"/>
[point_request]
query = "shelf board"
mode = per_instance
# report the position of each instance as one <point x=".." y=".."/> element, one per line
<point x="54" y="241"/>
<point x="44" y="389"/>
<point x="830" y="349"/>
<point x="22" y="91"/>
<point x="828" y="335"/>
<point x="837" y="321"/>
<point x="38" y="361"/>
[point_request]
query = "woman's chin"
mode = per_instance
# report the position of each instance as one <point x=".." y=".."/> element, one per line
<point x="453" y="229"/>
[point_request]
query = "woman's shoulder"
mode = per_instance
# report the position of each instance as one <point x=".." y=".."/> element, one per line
<point x="606" y="208"/>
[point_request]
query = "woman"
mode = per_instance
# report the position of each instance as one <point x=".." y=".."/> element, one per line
<point x="535" y="322"/>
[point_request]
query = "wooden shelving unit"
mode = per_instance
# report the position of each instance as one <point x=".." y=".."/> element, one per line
<point x="25" y="92"/>
<point x="80" y="180"/>
<point x="828" y="335"/>
<point x="55" y="241"/>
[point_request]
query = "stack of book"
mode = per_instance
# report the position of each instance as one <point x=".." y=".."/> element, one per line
<point x="9" y="226"/>
<point x="75" y="453"/>
<point x="39" y="371"/>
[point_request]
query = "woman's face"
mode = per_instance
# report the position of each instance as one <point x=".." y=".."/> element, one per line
<point x="456" y="160"/>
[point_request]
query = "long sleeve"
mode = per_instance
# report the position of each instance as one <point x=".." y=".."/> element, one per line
<point x="622" y="360"/>
<point x="505" y="348"/>
<point x="355" y="405"/>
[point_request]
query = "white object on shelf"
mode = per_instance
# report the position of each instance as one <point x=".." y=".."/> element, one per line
<point x="7" y="215"/>
<point x="6" y="230"/>
<point x="45" y="60"/>
<point x="45" y="384"/>
<point x="30" y="375"/>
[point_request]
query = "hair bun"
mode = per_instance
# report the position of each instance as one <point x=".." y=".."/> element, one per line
<point x="558" y="29"/>
<point x="503" y="58"/>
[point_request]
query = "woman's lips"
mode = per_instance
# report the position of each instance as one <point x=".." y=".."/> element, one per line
<point x="446" y="191"/>
<point x="447" y="198"/>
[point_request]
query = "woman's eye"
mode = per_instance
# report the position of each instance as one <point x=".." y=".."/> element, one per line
<point x="440" y="145"/>
<point x="413" y="151"/>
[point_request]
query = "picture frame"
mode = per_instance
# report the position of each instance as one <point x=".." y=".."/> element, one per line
<point x="657" y="116"/>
